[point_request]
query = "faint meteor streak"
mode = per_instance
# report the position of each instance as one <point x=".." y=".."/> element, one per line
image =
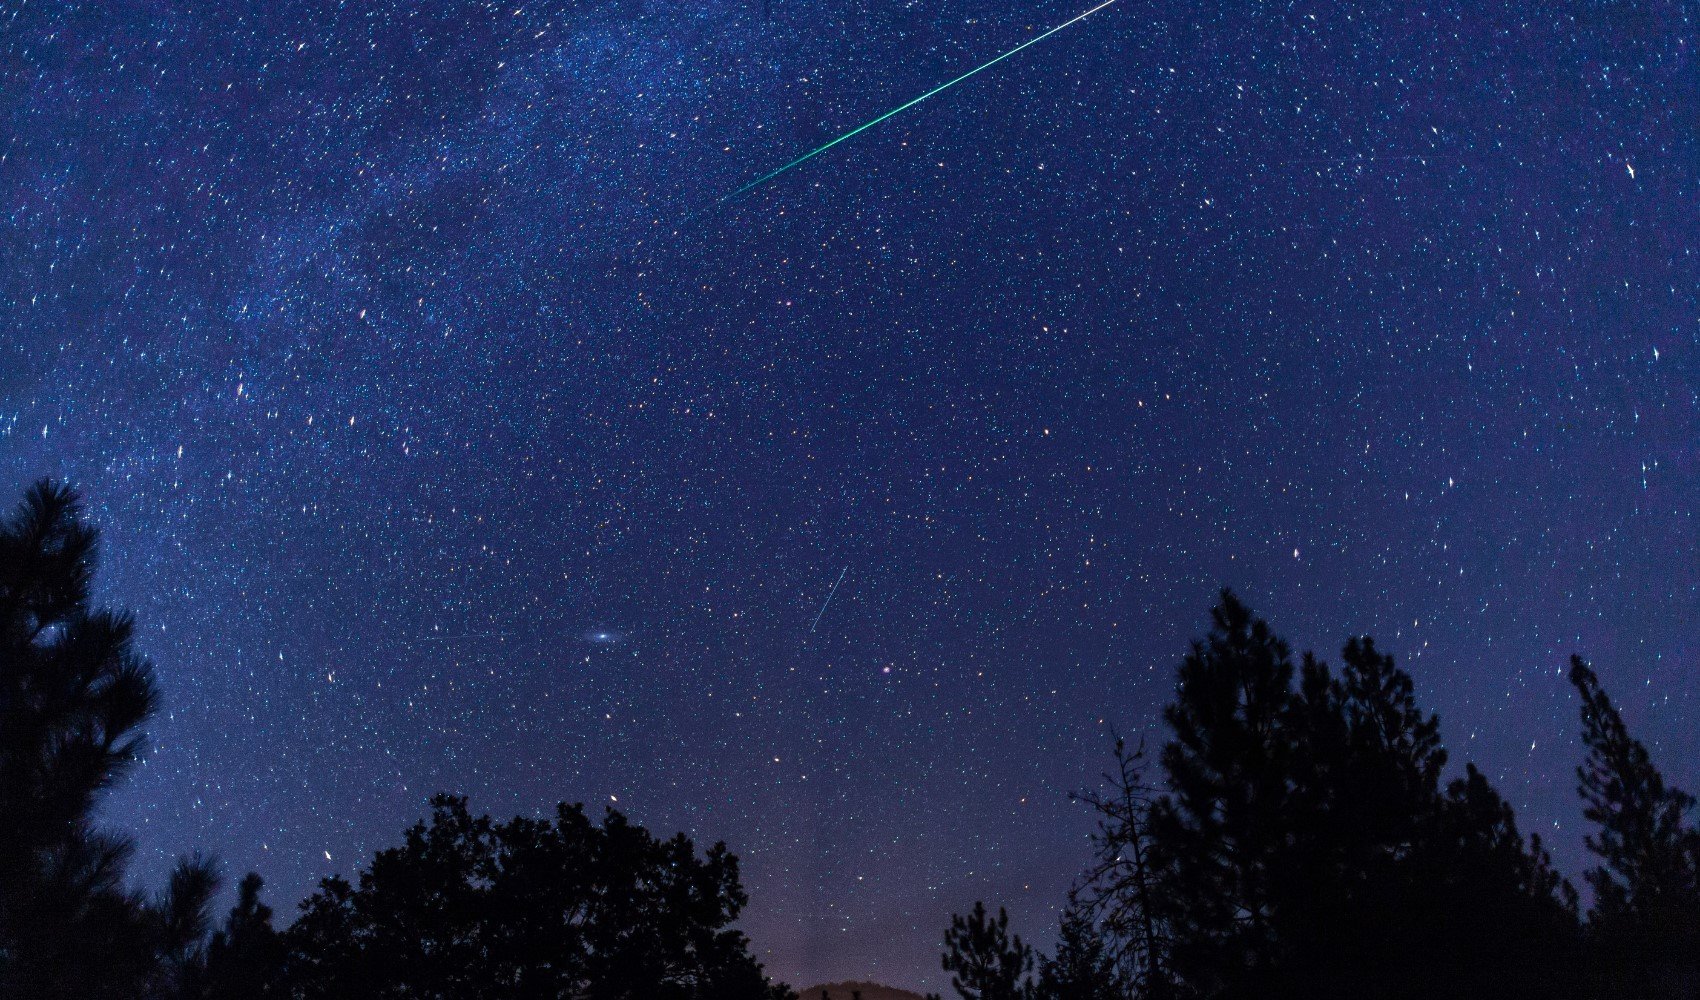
<point x="799" y="161"/>
<point x="827" y="603"/>
<point x="456" y="636"/>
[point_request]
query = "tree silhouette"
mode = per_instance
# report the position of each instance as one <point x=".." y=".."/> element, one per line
<point x="1365" y="798"/>
<point x="1646" y="913"/>
<point x="1082" y="968"/>
<point x="1118" y="892"/>
<point x="1219" y="833"/>
<point x="73" y="697"/>
<point x="1496" y="918"/>
<point x="1305" y="847"/>
<point x="1307" y="850"/>
<point x="245" y="956"/>
<point x="1381" y="783"/>
<point x="987" y="962"/>
<point x="468" y="909"/>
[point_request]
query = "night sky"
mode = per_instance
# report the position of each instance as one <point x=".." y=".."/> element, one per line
<point x="450" y="432"/>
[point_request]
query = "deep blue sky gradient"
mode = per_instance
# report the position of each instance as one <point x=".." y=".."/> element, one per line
<point x="403" y="348"/>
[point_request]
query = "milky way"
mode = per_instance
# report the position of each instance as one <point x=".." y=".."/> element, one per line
<point x="403" y="348"/>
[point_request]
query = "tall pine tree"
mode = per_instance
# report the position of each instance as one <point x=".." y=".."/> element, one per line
<point x="985" y="960"/>
<point x="1119" y="892"/>
<point x="73" y="697"/>
<point x="1366" y="776"/>
<point x="1220" y="834"/>
<point x="244" y="958"/>
<point x="1646" y="912"/>
<point x="1306" y="849"/>
<point x="1081" y="968"/>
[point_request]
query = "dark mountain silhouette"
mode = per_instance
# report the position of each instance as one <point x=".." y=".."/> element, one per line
<point x="848" y="989"/>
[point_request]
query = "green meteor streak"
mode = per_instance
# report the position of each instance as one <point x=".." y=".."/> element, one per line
<point x="799" y="161"/>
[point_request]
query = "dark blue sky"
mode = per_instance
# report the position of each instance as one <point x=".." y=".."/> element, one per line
<point x="449" y="433"/>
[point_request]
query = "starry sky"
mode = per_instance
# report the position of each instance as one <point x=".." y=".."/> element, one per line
<point x="449" y="431"/>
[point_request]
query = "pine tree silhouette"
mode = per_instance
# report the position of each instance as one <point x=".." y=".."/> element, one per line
<point x="1366" y="767"/>
<point x="245" y="957"/>
<point x="1119" y="891"/>
<point x="987" y="962"/>
<point x="1219" y="833"/>
<point x="1082" y="967"/>
<point x="1645" y="920"/>
<point x="73" y="697"/>
<point x="1306" y="849"/>
<point x="1500" y="920"/>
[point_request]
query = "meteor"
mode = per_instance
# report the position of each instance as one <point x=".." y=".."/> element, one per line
<point x="811" y="154"/>
<point x="829" y="597"/>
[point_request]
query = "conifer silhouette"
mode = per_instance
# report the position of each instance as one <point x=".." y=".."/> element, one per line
<point x="1645" y="920"/>
<point x="986" y="961"/>
<point x="245" y="956"/>
<point x="73" y="697"/>
<point x="1082" y="967"/>
<point x="1219" y="833"/>
<point x="1118" y="894"/>
<point x="1305" y="846"/>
